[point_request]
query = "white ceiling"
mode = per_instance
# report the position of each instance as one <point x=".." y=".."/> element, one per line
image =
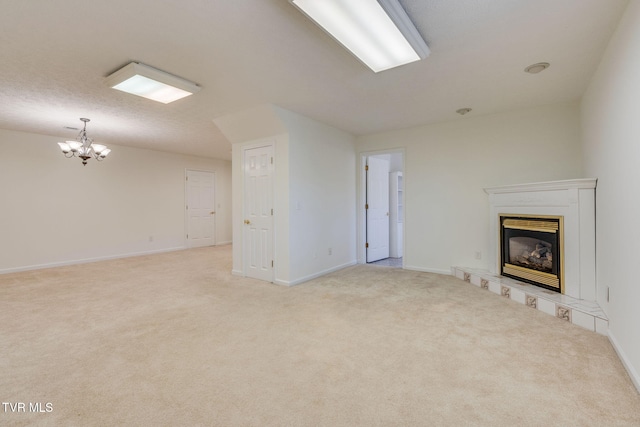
<point x="55" y="55"/>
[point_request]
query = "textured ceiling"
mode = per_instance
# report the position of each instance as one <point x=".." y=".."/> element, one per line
<point x="55" y="55"/>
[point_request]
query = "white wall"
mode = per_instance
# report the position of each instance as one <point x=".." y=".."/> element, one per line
<point x="397" y="162"/>
<point x="447" y="165"/>
<point x="56" y="211"/>
<point x="322" y="197"/>
<point x="611" y="137"/>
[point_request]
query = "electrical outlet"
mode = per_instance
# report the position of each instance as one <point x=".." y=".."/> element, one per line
<point x="330" y="251"/>
<point x="150" y="239"/>
<point x="478" y="255"/>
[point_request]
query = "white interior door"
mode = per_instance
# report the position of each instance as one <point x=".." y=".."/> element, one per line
<point x="377" y="211"/>
<point x="258" y="213"/>
<point x="200" y="208"/>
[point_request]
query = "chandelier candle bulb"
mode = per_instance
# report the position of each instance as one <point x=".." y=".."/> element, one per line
<point x="98" y="148"/>
<point x="74" y="146"/>
<point x="64" y="147"/>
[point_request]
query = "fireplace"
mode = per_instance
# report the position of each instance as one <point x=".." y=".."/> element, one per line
<point x="572" y="200"/>
<point x="531" y="249"/>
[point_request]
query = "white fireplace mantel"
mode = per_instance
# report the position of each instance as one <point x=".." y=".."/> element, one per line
<point x="572" y="199"/>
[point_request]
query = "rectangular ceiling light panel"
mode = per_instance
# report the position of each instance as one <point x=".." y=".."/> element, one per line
<point x="148" y="82"/>
<point x="378" y="32"/>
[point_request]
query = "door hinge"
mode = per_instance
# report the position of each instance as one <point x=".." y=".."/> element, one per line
<point x="366" y="245"/>
<point x="366" y="205"/>
<point x="366" y="167"/>
<point x="272" y="160"/>
<point x="187" y="207"/>
<point x="272" y="212"/>
<point x="187" y="236"/>
<point x="271" y="263"/>
<point x="187" y="178"/>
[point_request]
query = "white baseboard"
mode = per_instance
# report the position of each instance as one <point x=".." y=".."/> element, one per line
<point x="633" y="374"/>
<point x="87" y="260"/>
<point x="223" y="243"/>
<point x="428" y="270"/>
<point x="237" y="273"/>
<point x="313" y="276"/>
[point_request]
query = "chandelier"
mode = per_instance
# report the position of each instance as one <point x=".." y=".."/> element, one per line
<point x="84" y="147"/>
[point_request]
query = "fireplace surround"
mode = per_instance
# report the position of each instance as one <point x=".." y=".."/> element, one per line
<point x="574" y="201"/>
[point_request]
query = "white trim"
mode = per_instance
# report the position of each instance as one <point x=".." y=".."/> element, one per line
<point x="633" y="374"/>
<point x="314" y="275"/>
<point x="227" y="242"/>
<point x="429" y="270"/>
<point x="588" y="183"/>
<point x="185" y="232"/>
<point x="88" y="260"/>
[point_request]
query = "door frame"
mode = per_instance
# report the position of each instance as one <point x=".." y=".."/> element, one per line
<point x="186" y="202"/>
<point x="361" y="198"/>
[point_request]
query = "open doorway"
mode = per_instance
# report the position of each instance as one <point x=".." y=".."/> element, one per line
<point x="381" y="234"/>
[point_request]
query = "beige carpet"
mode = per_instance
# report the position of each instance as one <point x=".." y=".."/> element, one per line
<point x="174" y="339"/>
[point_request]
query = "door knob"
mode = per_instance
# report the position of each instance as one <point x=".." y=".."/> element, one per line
<point x="246" y="221"/>
<point x="213" y="212"/>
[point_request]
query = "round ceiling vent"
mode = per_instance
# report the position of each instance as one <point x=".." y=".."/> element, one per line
<point x="536" y="68"/>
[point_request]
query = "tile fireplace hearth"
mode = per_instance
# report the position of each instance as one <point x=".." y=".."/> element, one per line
<point x="586" y="314"/>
